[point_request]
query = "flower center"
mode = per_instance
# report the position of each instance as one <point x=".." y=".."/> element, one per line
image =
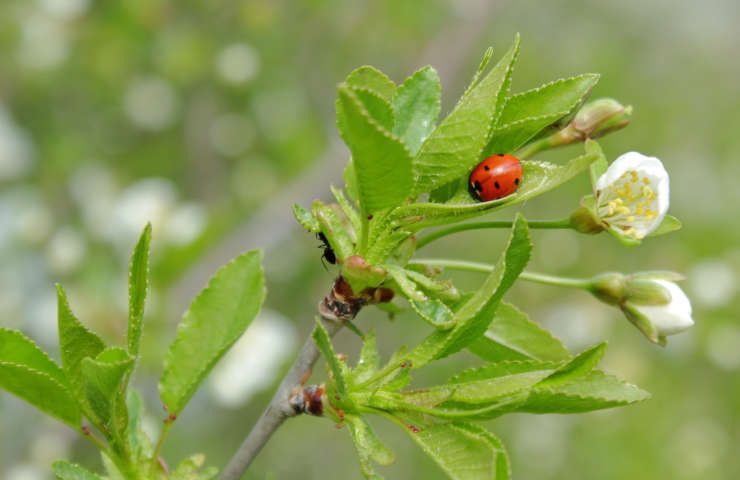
<point x="628" y="201"/>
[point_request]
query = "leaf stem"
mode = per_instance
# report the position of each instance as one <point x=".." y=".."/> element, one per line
<point x="545" y="279"/>
<point x="166" y="426"/>
<point x="461" y="227"/>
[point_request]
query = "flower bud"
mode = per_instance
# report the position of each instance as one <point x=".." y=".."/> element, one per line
<point x="599" y="117"/>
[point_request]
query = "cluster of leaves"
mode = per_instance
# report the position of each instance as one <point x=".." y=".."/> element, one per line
<point x="92" y="382"/>
<point x="408" y="173"/>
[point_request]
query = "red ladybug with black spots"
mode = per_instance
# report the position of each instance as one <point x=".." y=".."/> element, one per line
<point x="495" y="177"/>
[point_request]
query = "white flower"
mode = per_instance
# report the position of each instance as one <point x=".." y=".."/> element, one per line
<point x="672" y="317"/>
<point x="632" y="196"/>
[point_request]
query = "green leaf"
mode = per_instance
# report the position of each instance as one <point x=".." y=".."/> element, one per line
<point x="76" y="343"/>
<point x="580" y="365"/>
<point x="18" y="349"/>
<point x="338" y="369"/>
<point x="595" y="390"/>
<point x="138" y="282"/>
<point x="475" y="315"/>
<point x="462" y="450"/>
<point x="40" y="390"/>
<point x="335" y="228"/>
<point x="369" y="361"/>
<point x="69" y="471"/>
<point x="372" y="79"/>
<point x="455" y="146"/>
<point x="349" y="211"/>
<point x="350" y="182"/>
<point x="216" y="319"/>
<point x="368" y="445"/>
<point x="441" y="289"/>
<point x="513" y="336"/>
<point x="378" y="108"/>
<point x="537" y="178"/>
<point x="192" y="469"/>
<point x="407" y="287"/>
<point x="381" y="162"/>
<point x="105" y="379"/>
<point x="416" y="106"/>
<point x="435" y="312"/>
<point x="668" y="225"/>
<point x="528" y="113"/>
<point x="141" y="445"/>
<point x="306" y="219"/>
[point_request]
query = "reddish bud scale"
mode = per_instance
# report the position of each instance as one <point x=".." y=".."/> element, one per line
<point x="495" y="177"/>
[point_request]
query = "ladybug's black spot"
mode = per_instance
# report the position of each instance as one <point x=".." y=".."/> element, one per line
<point x="370" y="216"/>
<point x="496" y="184"/>
<point x="500" y="154"/>
<point x="516" y="181"/>
<point x="486" y="168"/>
<point x="477" y="186"/>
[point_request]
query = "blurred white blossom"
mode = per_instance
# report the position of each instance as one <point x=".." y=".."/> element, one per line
<point x="44" y="43"/>
<point x="723" y="346"/>
<point x="65" y="9"/>
<point x="238" y="63"/>
<point x="185" y="223"/>
<point x="254" y="361"/>
<point x="66" y="251"/>
<point x="150" y="103"/>
<point x="27" y="471"/>
<point x="231" y="134"/>
<point x="16" y="149"/>
<point x="713" y="282"/>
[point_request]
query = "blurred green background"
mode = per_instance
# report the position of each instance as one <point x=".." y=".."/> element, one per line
<point x="210" y="118"/>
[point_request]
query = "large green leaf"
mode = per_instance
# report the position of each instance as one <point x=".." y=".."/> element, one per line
<point x="40" y="390"/>
<point x="105" y="379"/>
<point x="19" y="349"/>
<point x="416" y="106"/>
<point x="513" y="336"/>
<point x="382" y="164"/>
<point x="454" y="147"/>
<point x="216" y="319"/>
<point x="577" y="367"/>
<point x="537" y="178"/>
<point x="138" y="282"/>
<point x="76" y="343"/>
<point x="368" y="445"/>
<point x="462" y="450"/>
<point x="527" y="113"/>
<point x="475" y="315"/>
<point x="69" y="471"/>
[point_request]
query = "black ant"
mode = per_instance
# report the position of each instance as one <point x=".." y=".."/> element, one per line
<point x="328" y="253"/>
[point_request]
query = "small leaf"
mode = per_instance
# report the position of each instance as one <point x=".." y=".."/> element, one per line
<point x="369" y="361"/>
<point x="527" y="113"/>
<point x="192" y="469"/>
<point x="434" y="312"/>
<point x="349" y="211"/>
<point x="454" y="147"/>
<point x="513" y="336"/>
<point x="141" y="445"/>
<point x="407" y="287"/>
<point x="350" y="182"/>
<point x="440" y="289"/>
<point x="40" y="390"/>
<point x="76" y="343"/>
<point x="105" y="379"/>
<point x="18" y="349"/>
<point x="138" y="282"/>
<point x="216" y="319"/>
<point x="335" y="228"/>
<point x="595" y="390"/>
<point x="463" y="451"/>
<point x="69" y="471"/>
<point x="368" y="445"/>
<point x="668" y="225"/>
<point x="475" y="315"/>
<point x="370" y="78"/>
<point x="382" y="164"/>
<point x="338" y="369"/>
<point x="306" y="219"/>
<point x="416" y="106"/>
<point x="580" y="365"/>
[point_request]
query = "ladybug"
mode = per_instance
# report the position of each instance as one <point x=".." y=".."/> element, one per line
<point x="495" y="177"/>
<point x="328" y="253"/>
